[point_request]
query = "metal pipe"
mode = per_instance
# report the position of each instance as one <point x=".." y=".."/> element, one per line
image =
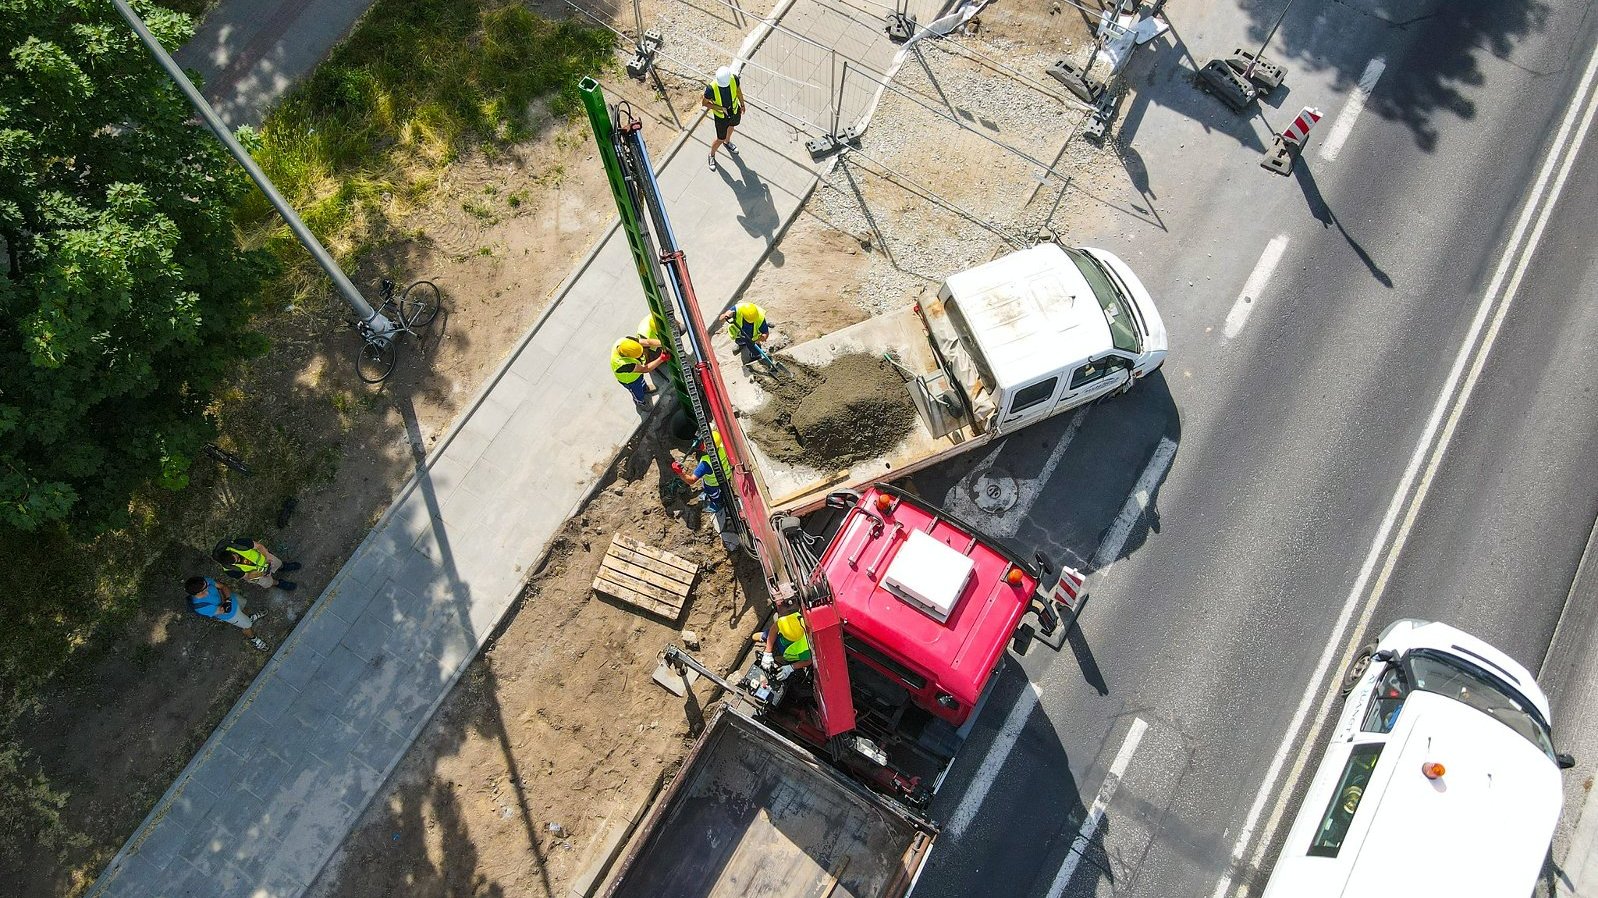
<point x="380" y="325"/>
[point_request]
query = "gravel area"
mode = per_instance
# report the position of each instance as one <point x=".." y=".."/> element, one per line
<point x="944" y="197"/>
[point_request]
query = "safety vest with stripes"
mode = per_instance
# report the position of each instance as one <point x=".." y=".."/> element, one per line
<point x="733" y="108"/>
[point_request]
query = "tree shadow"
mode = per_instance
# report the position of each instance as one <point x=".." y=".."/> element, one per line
<point x="1447" y="37"/>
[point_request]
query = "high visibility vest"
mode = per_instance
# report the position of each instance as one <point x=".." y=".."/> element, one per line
<point x="735" y="327"/>
<point x="798" y="650"/>
<point x="734" y="107"/>
<point x="619" y="361"/>
<point x="252" y="561"/>
<point x="647" y="329"/>
<point x="710" y="478"/>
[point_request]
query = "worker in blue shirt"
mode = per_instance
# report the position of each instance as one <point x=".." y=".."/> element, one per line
<point x="703" y="478"/>
<point x="213" y="600"/>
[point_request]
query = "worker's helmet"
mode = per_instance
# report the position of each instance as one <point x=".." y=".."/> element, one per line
<point x="748" y="311"/>
<point x="723" y="76"/>
<point x="630" y="348"/>
<point x="791" y="627"/>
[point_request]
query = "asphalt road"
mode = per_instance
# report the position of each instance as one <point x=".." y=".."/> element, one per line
<point x="1295" y="417"/>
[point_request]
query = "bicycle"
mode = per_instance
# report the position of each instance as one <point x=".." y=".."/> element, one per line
<point x="410" y="313"/>
<point x="227" y="458"/>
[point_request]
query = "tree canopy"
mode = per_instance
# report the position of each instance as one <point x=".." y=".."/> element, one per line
<point x="126" y="299"/>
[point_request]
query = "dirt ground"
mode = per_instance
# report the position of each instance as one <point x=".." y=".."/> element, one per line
<point x="557" y="726"/>
<point x="502" y="233"/>
<point x="831" y="417"/>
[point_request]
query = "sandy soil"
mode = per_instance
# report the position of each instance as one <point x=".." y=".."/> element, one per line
<point x="557" y="726"/>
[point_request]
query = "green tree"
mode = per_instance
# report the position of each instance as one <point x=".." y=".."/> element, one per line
<point x="126" y="298"/>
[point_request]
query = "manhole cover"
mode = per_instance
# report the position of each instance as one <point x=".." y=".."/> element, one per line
<point x="993" y="491"/>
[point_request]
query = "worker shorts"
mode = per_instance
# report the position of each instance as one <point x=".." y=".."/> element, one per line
<point x="724" y="126"/>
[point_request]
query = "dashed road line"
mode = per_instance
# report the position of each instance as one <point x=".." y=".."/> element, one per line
<point x="1352" y="108"/>
<point x="1254" y="287"/>
<point x="1090" y="826"/>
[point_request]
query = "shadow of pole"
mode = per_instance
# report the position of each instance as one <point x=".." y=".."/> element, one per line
<point x="1323" y="214"/>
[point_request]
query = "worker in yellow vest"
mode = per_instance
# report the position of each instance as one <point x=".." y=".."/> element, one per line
<point x="747" y="326"/>
<point x="250" y="561"/>
<point x="724" y="98"/>
<point x="627" y="362"/>
<point x="789" y="641"/>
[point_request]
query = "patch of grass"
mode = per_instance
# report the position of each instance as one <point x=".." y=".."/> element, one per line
<point x="362" y="142"/>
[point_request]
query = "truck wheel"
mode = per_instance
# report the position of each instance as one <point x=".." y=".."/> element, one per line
<point x="1357" y="667"/>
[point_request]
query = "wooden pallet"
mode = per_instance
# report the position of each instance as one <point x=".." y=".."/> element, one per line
<point x="655" y="581"/>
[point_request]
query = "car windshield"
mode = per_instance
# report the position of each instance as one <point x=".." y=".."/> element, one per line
<point x="1123" y="329"/>
<point x="1461" y="681"/>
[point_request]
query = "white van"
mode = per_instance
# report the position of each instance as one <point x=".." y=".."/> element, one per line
<point x="1440" y="779"/>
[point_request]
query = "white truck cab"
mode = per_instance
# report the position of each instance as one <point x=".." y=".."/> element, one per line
<point x="1044" y="330"/>
<point x="1440" y="778"/>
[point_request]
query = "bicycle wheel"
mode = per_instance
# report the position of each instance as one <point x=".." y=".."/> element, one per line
<point x="376" y="361"/>
<point x="419" y="304"/>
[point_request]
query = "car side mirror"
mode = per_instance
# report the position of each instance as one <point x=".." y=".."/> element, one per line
<point x="1565" y="760"/>
<point x="1385" y="656"/>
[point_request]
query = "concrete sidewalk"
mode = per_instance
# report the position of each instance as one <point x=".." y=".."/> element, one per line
<point x="250" y="52"/>
<point x="275" y="790"/>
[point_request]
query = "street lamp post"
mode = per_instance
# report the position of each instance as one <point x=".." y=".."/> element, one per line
<point x="381" y="326"/>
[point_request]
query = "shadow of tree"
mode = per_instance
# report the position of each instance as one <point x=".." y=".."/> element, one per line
<point x="1448" y="38"/>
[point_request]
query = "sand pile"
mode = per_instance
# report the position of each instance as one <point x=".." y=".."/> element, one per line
<point x="847" y="411"/>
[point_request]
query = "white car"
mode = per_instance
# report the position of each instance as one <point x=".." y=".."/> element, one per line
<point x="1440" y="779"/>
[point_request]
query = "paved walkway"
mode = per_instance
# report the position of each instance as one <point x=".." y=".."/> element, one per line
<point x="275" y="790"/>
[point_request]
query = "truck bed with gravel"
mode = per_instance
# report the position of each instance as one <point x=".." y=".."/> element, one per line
<point x="1003" y="345"/>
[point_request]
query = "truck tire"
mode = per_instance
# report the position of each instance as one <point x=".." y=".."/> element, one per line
<point x="1356" y="668"/>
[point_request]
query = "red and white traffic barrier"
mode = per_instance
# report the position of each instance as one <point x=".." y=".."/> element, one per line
<point x="1298" y="131"/>
<point x="1069" y="588"/>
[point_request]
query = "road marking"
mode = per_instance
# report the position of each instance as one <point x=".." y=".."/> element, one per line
<point x="1351" y="109"/>
<point x="1006" y="523"/>
<point x="1136" y="504"/>
<point x="998" y="751"/>
<point x="1517" y="258"/>
<point x="1084" y="836"/>
<point x="1254" y="287"/>
<point x="1114" y="540"/>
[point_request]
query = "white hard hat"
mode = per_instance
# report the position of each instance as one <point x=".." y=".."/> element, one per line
<point x="723" y="76"/>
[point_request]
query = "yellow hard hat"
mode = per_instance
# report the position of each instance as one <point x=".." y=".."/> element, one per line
<point x="630" y="348"/>
<point x="747" y="310"/>
<point x="791" y="627"/>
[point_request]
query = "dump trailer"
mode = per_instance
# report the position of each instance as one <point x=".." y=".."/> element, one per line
<point x="753" y="814"/>
<point x="1003" y="345"/>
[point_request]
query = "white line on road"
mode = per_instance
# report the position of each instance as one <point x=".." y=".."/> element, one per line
<point x="1517" y="258"/>
<point x="1254" y="287"/>
<point x="999" y="750"/>
<point x="1006" y="523"/>
<point x="1351" y="109"/>
<point x="977" y="791"/>
<point x="1084" y="836"/>
<point x="1136" y="504"/>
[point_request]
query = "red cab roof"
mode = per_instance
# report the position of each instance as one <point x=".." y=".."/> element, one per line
<point x="956" y="655"/>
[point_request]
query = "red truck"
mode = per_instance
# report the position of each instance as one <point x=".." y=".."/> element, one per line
<point x="816" y="785"/>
